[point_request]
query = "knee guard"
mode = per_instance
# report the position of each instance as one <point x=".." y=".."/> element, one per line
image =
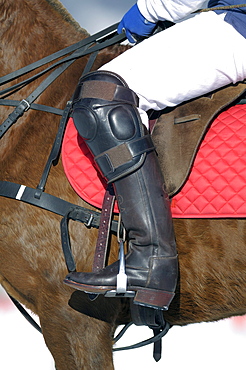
<point x="106" y="116"/>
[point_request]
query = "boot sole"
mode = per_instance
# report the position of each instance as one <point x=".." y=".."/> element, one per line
<point x="144" y="296"/>
<point x="88" y="288"/>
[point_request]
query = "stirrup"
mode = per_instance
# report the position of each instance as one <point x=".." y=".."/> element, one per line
<point x="121" y="287"/>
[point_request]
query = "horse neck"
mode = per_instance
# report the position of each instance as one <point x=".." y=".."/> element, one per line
<point x="29" y="31"/>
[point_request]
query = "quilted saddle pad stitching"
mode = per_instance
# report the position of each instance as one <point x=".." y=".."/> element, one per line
<point x="216" y="184"/>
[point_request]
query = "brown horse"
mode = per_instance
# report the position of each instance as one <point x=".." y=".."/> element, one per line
<point x="212" y="252"/>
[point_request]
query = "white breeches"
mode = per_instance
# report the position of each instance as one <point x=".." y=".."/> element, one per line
<point x="192" y="58"/>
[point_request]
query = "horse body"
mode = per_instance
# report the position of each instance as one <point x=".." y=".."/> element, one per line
<point x="32" y="263"/>
<point x="212" y="252"/>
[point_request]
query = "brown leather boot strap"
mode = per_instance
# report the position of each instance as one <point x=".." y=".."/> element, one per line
<point x="104" y="229"/>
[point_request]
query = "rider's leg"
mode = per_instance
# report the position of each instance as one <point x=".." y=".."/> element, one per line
<point x="187" y="60"/>
<point x="198" y="55"/>
<point x="105" y="115"/>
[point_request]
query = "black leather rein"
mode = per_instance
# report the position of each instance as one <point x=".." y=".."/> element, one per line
<point x="90" y="45"/>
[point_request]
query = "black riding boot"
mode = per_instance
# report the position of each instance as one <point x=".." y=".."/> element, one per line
<point x="105" y="115"/>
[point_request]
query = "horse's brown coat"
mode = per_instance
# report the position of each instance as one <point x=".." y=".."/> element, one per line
<point x="212" y="252"/>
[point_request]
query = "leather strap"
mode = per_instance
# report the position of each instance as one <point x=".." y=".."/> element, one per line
<point x="153" y="339"/>
<point x="83" y="48"/>
<point x="21" y="108"/>
<point x="25" y="104"/>
<point x="108" y="91"/>
<point x="55" y="151"/>
<point x="53" y="204"/>
<point x="25" y="314"/>
<point x="98" y="37"/>
<point x="41" y="107"/>
<point x="65" y="240"/>
<point x="104" y="229"/>
<point x="110" y="160"/>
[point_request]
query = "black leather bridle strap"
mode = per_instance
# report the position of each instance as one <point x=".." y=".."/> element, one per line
<point x="40" y="107"/>
<point x="76" y="55"/>
<point x="55" y="151"/>
<point x="26" y="104"/>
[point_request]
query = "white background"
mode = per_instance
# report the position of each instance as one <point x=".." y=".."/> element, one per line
<point x="213" y="346"/>
<point x="195" y="347"/>
<point x="95" y="15"/>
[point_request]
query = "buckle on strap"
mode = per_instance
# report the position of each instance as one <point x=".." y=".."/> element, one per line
<point x="20" y="109"/>
<point x="24" y="105"/>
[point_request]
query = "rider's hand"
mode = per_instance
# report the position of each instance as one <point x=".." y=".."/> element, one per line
<point x="134" y="24"/>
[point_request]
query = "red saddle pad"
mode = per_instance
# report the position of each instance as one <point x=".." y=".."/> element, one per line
<point x="217" y="183"/>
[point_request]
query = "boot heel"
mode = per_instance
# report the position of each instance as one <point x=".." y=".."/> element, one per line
<point x="153" y="298"/>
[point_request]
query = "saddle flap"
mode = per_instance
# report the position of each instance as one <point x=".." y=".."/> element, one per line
<point x="179" y="131"/>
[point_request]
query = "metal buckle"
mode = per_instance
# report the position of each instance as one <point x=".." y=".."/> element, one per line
<point x="90" y="219"/>
<point x="26" y="105"/>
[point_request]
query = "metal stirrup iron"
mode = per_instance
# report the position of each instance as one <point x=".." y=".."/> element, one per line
<point x="121" y="287"/>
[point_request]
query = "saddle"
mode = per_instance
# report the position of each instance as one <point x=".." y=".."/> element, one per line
<point x="178" y="132"/>
<point x="203" y="183"/>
